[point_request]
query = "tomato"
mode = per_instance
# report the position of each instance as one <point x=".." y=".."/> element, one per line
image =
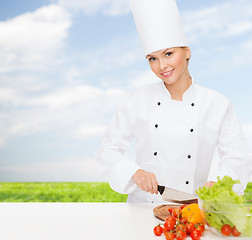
<point x="158" y="230"/>
<point x="200" y="227"/>
<point x="195" y="235"/>
<point x="226" y="230"/>
<point x="183" y="220"/>
<point x="190" y="227"/>
<point x="181" y="227"/>
<point x="170" y="209"/>
<point x="171" y="219"/>
<point x="177" y="213"/>
<point x="183" y="206"/>
<point x="181" y="235"/>
<point x="235" y="232"/>
<point x="169" y="235"/>
<point x="168" y="226"/>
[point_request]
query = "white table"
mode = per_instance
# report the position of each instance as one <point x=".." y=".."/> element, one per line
<point x="80" y="221"/>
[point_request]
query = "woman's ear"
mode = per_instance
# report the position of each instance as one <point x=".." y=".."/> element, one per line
<point x="188" y="53"/>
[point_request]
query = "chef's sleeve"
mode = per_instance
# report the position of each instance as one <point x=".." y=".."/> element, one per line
<point x="235" y="155"/>
<point x="116" y="166"/>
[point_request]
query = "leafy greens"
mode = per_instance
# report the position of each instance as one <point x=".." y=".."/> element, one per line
<point x="222" y="205"/>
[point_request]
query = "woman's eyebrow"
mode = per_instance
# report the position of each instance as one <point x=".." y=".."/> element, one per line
<point x="165" y="50"/>
<point x="149" y="55"/>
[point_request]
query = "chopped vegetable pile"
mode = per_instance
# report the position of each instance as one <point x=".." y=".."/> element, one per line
<point x="225" y="209"/>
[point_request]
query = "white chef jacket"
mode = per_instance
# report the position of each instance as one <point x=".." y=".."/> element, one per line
<point x="175" y="140"/>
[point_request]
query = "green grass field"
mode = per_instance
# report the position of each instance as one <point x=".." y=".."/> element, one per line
<point x="59" y="192"/>
<point x="62" y="192"/>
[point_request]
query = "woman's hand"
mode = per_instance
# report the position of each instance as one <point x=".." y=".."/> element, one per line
<point x="209" y="184"/>
<point x="146" y="181"/>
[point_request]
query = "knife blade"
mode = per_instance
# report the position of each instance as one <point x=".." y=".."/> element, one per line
<point x="176" y="196"/>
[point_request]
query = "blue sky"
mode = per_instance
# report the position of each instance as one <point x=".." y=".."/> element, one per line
<point x="65" y="66"/>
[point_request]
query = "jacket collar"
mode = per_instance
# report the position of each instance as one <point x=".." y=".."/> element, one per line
<point x="187" y="96"/>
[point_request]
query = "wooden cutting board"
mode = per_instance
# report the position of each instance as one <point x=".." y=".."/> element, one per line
<point x="162" y="211"/>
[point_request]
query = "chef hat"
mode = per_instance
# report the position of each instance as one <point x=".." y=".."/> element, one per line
<point x="158" y="24"/>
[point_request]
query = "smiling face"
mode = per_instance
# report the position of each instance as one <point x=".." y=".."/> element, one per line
<point x="171" y="64"/>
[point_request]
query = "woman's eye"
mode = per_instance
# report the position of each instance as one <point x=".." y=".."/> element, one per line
<point x="152" y="59"/>
<point x="168" y="54"/>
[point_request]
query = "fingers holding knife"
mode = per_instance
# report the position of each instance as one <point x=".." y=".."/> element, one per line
<point x="146" y="181"/>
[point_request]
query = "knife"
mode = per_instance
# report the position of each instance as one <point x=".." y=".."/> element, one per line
<point x="176" y="196"/>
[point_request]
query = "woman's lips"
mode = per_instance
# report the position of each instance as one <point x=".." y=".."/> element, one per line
<point x="168" y="73"/>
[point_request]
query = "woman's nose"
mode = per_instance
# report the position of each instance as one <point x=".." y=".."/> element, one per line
<point x="163" y="65"/>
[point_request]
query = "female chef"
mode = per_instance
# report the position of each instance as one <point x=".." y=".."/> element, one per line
<point x="176" y="123"/>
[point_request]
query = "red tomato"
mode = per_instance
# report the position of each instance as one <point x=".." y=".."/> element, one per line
<point x="170" y="209"/>
<point x="226" y="230"/>
<point x="184" y="205"/>
<point x="235" y="232"/>
<point x="183" y="220"/>
<point x="158" y="230"/>
<point x="190" y="227"/>
<point x="200" y="227"/>
<point x="177" y="213"/>
<point x="181" y="235"/>
<point x="169" y="236"/>
<point x="171" y="219"/>
<point x="195" y="235"/>
<point x="181" y="227"/>
<point x="168" y="226"/>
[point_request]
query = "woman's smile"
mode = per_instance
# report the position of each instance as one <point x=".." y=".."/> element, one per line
<point x="167" y="74"/>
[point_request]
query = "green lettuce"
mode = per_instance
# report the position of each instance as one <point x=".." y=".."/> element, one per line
<point x="224" y="206"/>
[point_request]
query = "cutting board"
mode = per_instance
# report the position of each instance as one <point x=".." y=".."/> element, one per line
<point x="162" y="211"/>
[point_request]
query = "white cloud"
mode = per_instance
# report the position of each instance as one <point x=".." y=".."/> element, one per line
<point x="89" y="130"/>
<point x="30" y="40"/>
<point x="107" y="7"/>
<point x="143" y="78"/>
<point x="66" y="96"/>
<point x="80" y="109"/>
<point x="224" y="20"/>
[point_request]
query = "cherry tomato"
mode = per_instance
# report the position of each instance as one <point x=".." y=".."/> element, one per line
<point x="183" y="206"/>
<point x="169" y="235"/>
<point x="168" y="226"/>
<point x="181" y="227"/>
<point x="183" y="220"/>
<point x="181" y="235"/>
<point x="195" y="235"/>
<point x="235" y="232"/>
<point x="190" y="227"/>
<point x="170" y="209"/>
<point x="177" y="213"/>
<point x="226" y="230"/>
<point x="171" y="219"/>
<point x="200" y="227"/>
<point x="158" y="230"/>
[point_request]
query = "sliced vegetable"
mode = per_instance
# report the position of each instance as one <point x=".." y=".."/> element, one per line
<point x="193" y="214"/>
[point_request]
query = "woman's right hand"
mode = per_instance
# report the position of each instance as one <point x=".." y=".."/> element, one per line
<point x="146" y="181"/>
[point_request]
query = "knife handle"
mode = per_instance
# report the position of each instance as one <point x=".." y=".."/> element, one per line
<point x="161" y="189"/>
